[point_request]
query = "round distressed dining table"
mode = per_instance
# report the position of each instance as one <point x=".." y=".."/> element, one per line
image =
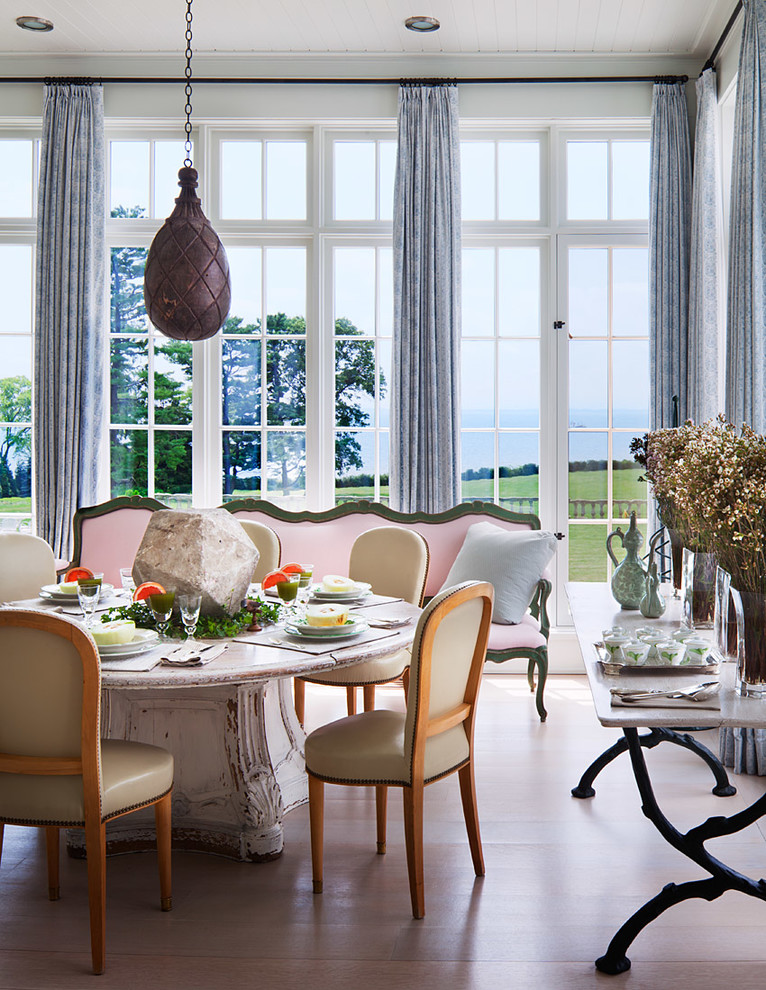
<point x="233" y="732"/>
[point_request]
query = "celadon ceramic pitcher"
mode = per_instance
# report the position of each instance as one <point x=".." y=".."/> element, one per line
<point x="629" y="578"/>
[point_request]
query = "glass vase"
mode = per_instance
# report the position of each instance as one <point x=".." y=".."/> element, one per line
<point x="750" y="608"/>
<point x="725" y="619"/>
<point x="676" y="559"/>
<point x="698" y="588"/>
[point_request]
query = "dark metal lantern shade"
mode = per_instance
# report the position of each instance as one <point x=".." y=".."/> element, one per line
<point x="187" y="288"/>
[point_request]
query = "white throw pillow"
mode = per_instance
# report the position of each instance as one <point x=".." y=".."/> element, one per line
<point x="512" y="561"/>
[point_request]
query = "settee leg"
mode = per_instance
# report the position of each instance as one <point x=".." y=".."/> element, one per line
<point x="542" y="677"/>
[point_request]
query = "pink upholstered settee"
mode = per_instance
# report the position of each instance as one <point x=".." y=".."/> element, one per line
<point x="107" y="536"/>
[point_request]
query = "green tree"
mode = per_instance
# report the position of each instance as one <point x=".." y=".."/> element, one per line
<point x="15" y="442"/>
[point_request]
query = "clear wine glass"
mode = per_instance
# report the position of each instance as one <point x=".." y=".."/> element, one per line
<point x="88" y="594"/>
<point x="190" y="606"/>
<point x="162" y="609"/>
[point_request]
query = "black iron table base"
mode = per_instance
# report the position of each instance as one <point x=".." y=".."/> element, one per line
<point x="691" y="844"/>
<point x="723" y="788"/>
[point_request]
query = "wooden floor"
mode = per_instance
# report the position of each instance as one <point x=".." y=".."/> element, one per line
<point x="562" y="875"/>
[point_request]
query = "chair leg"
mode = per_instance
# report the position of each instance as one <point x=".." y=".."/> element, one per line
<point x="351" y="700"/>
<point x="381" y="805"/>
<point x="406" y="682"/>
<point x="413" y="837"/>
<point x="95" y="847"/>
<point x="2" y="829"/>
<point x="52" y="852"/>
<point x="531" y="674"/>
<point x="316" y="820"/>
<point x="542" y="677"/>
<point x="162" y="825"/>
<point x="471" y="815"/>
<point x="369" y="697"/>
<point x="299" y="689"/>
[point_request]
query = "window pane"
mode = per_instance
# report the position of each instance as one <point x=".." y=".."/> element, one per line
<point x="519" y="292"/>
<point x="130" y="179"/>
<point x="587" y="475"/>
<point x="630" y="180"/>
<point x="383" y="440"/>
<point x="15" y="470"/>
<point x="518" y="180"/>
<point x="386" y="291"/>
<point x="129" y="456"/>
<point x="241" y="464"/>
<point x="286" y="382"/>
<point x="241" y="180"/>
<point x="16" y="286"/>
<point x="630" y="387"/>
<point x="354" y="177"/>
<point x="477" y="168"/>
<point x="286" y="282"/>
<point x="286" y="467"/>
<point x="630" y="292"/>
<point x="587" y="180"/>
<point x="587" y="383"/>
<point x="16" y="178"/>
<point x="519" y="458"/>
<point x="588" y="292"/>
<point x="241" y="381"/>
<point x="127" y="290"/>
<point x="16" y="362"/>
<point x="629" y="492"/>
<point x="173" y="383"/>
<point x="168" y="159"/>
<point x="129" y="377"/>
<point x="286" y="180"/>
<point x="478" y="459"/>
<point x="173" y="466"/>
<point x="478" y="391"/>
<point x="355" y="290"/>
<point x="478" y="292"/>
<point x="519" y="375"/>
<point x="245" y="269"/>
<point x="354" y="465"/>
<point x="587" y="553"/>
<point x="354" y="382"/>
<point x="386" y="176"/>
<point x="384" y="381"/>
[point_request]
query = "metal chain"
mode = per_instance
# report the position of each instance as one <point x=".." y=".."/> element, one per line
<point x="188" y="86"/>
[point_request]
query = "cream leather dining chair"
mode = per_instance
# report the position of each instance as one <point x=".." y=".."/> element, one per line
<point x="55" y="771"/>
<point x="267" y="544"/>
<point x="432" y="739"/>
<point x="394" y="561"/>
<point x="26" y="564"/>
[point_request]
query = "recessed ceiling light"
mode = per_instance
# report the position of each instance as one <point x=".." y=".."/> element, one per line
<point x="422" y="23"/>
<point x="31" y="23"/>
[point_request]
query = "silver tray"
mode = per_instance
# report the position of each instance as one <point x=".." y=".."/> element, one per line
<point x="710" y="665"/>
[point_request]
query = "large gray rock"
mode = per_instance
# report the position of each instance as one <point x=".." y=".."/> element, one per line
<point x="202" y="550"/>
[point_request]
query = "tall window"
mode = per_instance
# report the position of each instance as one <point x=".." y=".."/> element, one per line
<point x="18" y="197"/>
<point x="604" y="281"/>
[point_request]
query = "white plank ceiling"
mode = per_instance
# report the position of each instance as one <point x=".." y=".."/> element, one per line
<point x="587" y="27"/>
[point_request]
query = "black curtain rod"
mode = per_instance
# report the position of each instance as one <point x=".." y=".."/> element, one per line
<point x="266" y="81"/>
<point x="724" y="35"/>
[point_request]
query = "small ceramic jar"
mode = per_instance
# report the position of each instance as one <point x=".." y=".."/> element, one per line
<point x="636" y="651"/>
<point x="681" y="635"/>
<point x="652" y="639"/>
<point x="697" y="648"/>
<point x="671" y="652"/>
<point x="614" y="644"/>
<point x="614" y="631"/>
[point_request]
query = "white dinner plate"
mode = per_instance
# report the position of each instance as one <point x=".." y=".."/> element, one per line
<point x="353" y="627"/>
<point x="51" y="592"/>
<point x="360" y="590"/>
<point x="144" y="639"/>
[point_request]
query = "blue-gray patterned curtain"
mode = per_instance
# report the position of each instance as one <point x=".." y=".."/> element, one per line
<point x="705" y="293"/>
<point x="744" y="749"/>
<point x="746" y="344"/>
<point x="669" y="235"/>
<point x="69" y="346"/>
<point x="425" y="386"/>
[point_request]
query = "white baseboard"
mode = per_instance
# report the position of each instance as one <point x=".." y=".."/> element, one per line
<point x="563" y="656"/>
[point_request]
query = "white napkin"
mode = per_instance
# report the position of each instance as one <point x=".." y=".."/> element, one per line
<point x="192" y="656"/>
<point x="709" y="704"/>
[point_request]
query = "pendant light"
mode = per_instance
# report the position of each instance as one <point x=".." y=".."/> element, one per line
<point x="187" y="288"/>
